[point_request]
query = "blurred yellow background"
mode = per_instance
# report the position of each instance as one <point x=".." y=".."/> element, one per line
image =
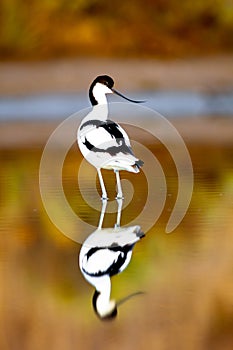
<point x="169" y="28"/>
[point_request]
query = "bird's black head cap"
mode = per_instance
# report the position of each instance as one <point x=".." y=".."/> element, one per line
<point x="105" y="80"/>
<point x="102" y="79"/>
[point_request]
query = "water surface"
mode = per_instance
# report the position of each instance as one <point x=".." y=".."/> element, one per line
<point x="187" y="275"/>
<point x="168" y="103"/>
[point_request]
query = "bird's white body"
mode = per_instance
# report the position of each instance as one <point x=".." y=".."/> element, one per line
<point x="112" y="155"/>
<point x="104" y="143"/>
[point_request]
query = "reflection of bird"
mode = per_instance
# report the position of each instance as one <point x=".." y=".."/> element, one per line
<point x="103" y="142"/>
<point x="105" y="253"/>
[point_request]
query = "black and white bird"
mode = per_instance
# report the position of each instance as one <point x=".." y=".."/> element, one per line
<point x="104" y="143"/>
<point x="105" y="253"/>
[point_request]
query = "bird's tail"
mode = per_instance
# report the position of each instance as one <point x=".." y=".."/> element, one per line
<point x="137" y="165"/>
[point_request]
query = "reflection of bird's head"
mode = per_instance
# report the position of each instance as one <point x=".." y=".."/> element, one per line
<point x="105" y="309"/>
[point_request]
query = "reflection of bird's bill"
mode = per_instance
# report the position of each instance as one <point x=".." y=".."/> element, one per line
<point x="126" y="98"/>
<point x="123" y="300"/>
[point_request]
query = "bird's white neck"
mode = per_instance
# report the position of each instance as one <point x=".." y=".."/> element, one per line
<point x="103" y="304"/>
<point x="99" y="92"/>
<point x="99" y="112"/>
<point x="103" y="286"/>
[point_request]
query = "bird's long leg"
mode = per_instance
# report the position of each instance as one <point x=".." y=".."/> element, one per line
<point x="119" y="209"/>
<point x="119" y="189"/>
<point x="103" y="189"/>
<point x="104" y="205"/>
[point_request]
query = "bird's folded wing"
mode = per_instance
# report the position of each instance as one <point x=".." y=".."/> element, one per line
<point x="99" y="261"/>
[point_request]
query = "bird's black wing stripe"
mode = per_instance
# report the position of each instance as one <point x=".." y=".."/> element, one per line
<point x="113" y="150"/>
<point x="92" y="251"/>
<point x="94" y="122"/>
<point x="113" y="129"/>
<point x="110" y="126"/>
<point x="115" y="267"/>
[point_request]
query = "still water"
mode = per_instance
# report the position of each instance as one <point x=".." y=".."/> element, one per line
<point x="186" y="275"/>
<point x="169" y="103"/>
